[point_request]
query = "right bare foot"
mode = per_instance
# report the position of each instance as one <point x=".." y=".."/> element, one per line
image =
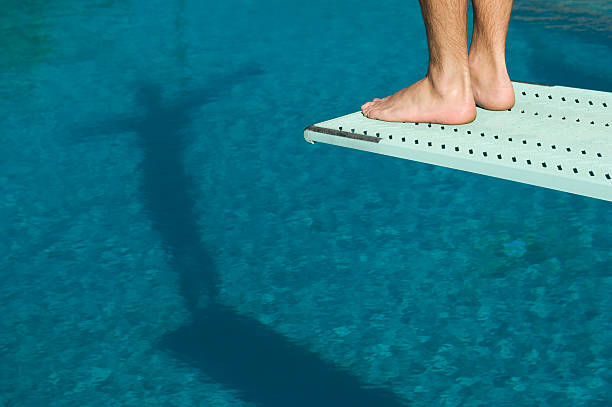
<point x="491" y="86"/>
<point x="423" y="102"/>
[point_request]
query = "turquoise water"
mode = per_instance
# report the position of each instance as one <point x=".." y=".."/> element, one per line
<point x="170" y="239"/>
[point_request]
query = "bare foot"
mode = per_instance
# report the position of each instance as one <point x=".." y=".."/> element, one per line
<point x="491" y="86"/>
<point x="422" y="103"/>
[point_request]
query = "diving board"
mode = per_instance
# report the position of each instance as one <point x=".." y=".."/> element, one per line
<point x="554" y="137"/>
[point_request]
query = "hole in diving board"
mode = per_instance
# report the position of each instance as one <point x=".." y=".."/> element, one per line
<point x="544" y="164"/>
<point x="495" y="137"/>
<point x="528" y="161"/>
<point x="564" y="98"/>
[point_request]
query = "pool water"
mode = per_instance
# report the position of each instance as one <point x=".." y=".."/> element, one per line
<point x="169" y="239"/>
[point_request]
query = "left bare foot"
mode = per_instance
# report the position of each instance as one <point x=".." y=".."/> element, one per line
<point x="423" y="103"/>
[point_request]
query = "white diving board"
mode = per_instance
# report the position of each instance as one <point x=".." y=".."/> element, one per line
<point x="554" y="137"/>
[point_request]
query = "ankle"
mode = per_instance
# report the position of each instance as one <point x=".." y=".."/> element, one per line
<point x="453" y="83"/>
<point x="493" y="62"/>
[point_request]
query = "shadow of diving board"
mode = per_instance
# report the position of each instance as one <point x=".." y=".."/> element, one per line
<point x="554" y="137"/>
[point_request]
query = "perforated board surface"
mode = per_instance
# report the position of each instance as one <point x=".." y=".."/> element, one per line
<point x="554" y="137"/>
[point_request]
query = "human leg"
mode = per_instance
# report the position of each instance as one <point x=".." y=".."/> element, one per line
<point x="491" y="84"/>
<point x="445" y="94"/>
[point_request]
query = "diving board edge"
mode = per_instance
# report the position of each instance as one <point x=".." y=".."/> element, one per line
<point x="578" y="186"/>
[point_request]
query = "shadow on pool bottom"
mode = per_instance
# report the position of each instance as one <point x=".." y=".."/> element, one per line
<point x="259" y="364"/>
<point x="266" y="368"/>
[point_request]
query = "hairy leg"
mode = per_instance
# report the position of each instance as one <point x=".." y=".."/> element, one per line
<point x="445" y="94"/>
<point x="491" y="84"/>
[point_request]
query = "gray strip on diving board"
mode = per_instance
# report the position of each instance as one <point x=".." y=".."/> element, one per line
<point x="554" y="137"/>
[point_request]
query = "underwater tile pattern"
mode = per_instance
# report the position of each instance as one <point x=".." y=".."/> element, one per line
<point x="169" y="238"/>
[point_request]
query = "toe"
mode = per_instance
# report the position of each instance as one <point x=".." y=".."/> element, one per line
<point x="373" y="108"/>
<point x="371" y="113"/>
<point x="370" y="105"/>
<point x="372" y="101"/>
